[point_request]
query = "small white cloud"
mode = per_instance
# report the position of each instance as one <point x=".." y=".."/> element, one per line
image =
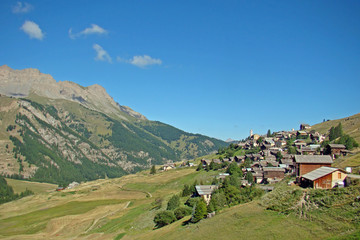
<point x="22" y="7"/>
<point x="32" y="29"/>
<point x="94" y="29"/>
<point x="143" y="61"/>
<point x="102" y="55"/>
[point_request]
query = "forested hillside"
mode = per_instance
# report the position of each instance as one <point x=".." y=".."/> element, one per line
<point x="61" y="141"/>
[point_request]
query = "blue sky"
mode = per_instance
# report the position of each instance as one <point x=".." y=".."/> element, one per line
<point x="219" y="68"/>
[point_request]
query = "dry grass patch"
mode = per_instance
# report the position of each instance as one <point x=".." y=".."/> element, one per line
<point x="20" y="186"/>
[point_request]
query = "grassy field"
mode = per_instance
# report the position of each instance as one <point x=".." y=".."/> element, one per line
<point x="247" y="221"/>
<point x="20" y="186"/>
<point x="122" y="208"/>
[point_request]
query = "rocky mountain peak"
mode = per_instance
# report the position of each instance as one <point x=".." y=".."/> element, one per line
<point x="22" y="83"/>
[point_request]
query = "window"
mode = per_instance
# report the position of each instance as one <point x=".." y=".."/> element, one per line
<point x="339" y="175"/>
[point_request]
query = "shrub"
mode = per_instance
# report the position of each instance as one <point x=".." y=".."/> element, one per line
<point x="191" y="202"/>
<point x="164" y="218"/>
<point x="173" y="203"/>
<point x="181" y="212"/>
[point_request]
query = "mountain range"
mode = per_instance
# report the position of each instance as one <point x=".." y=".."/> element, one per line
<point x="59" y="131"/>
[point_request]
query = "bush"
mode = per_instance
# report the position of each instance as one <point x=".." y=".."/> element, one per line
<point x="157" y="203"/>
<point x="181" y="212"/>
<point x="282" y="200"/>
<point x="191" y="202"/>
<point x="164" y="218"/>
<point x="173" y="203"/>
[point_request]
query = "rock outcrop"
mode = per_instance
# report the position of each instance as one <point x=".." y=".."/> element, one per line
<point x="22" y="83"/>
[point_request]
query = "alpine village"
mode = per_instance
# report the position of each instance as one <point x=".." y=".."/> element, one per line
<point x="77" y="165"/>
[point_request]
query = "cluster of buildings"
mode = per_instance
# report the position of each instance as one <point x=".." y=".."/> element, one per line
<point x="273" y="160"/>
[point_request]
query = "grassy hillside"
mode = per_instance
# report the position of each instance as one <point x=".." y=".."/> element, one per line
<point x="351" y="126"/>
<point x="123" y="208"/>
<point x="20" y="186"/>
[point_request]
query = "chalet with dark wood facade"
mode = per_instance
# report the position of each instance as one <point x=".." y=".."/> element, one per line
<point x="308" y="163"/>
<point x="337" y="150"/>
<point x="273" y="174"/>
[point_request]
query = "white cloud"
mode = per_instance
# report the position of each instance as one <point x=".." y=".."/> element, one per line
<point x="94" y="29"/>
<point x="143" y="61"/>
<point x="32" y="29"/>
<point x="102" y="55"/>
<point x="22" y="7"/>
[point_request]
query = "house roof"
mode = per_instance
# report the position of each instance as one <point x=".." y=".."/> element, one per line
<point x="313" y="159"/>
<point x="273" y="169"/>
<point x="320" y="172"/>
<point x="337" y="146"/>
<point x="205" y="189"/>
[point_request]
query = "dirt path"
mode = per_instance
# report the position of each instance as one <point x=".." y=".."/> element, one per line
<point x="106" y="215"/>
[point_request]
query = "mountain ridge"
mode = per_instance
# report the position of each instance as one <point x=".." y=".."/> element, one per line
<point x="22" y="83"/>
<point x="76" y="136"/>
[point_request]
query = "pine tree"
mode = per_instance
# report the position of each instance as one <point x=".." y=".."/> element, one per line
<point x="268" y="133"/>
<point x="249" y="177"/>
<point x="153" y="170"/>
<point x="200" y="211"/>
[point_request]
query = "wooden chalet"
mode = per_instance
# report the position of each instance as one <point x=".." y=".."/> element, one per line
<point x="337" y="150"/>
<point x="168" y="166"/>
<point x="306" y="151"/>
<point x="205" y="192"/>
<point x="258" y="176"/>
<point x="273" y="174"/>
<point x="302" y="133"/>
<point x="205" y="162"/>
<point x="304" y="126"/>
<point x="308" y="163"/>
<point x="324" y="177"/>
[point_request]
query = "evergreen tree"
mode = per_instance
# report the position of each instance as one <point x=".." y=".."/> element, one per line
<point x="249" y="177"/>
<point x="153" y="170"/>
<point x="212" y="165"/>
<point x="186" y="191"/>
<point x="200" y="211"/>
<point x="335" y="132"/>
<point x="291" y="150"/>
<point x="268" y="133"/>
<point x="234" y="169"/>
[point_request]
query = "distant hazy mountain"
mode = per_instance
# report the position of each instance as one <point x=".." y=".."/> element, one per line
<point x="60" y="132"/>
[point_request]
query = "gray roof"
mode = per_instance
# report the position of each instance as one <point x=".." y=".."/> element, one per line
<point x="337" y="146"/>
<point x="313" y="159"/>
<point x="273" y="169"/>
<point x="205" y="189"/>
<point x="318" y="173"/>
